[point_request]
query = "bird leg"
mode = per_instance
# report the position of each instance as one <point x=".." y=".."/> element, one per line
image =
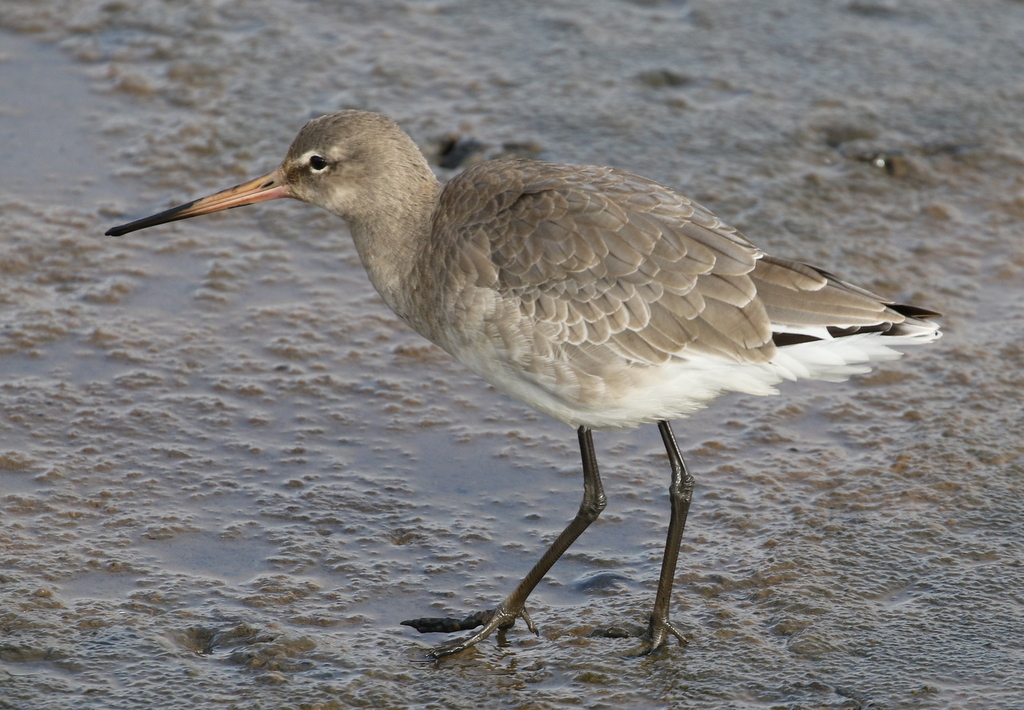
<point x="680" y="493"/>
<point x="513" y="607"/>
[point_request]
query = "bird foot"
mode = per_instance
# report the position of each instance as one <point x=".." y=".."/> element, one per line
<point x="494" y="619"/>
<point x="654" y="636"/>
<point x="657" y="634"/>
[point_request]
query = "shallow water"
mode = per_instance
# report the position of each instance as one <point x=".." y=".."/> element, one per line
<point x="227" y="471"/>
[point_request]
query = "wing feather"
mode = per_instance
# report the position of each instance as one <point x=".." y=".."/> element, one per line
<point x="602" y="267"/>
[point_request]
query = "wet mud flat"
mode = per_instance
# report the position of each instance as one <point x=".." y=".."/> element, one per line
<point x="227" y="471"/>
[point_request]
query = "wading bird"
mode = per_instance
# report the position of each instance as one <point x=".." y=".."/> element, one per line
<point x="595" y="296"/>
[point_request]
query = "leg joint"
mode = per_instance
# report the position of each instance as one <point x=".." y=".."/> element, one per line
<point x="682" y="487"/>
<point x="592" y="506"/>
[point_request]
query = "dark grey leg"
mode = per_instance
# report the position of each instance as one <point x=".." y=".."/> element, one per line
<point x="506" y="613"/>
<point x="680" y="493"/>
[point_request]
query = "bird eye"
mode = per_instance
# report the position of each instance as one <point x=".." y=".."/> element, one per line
<point x="317" y="162"/>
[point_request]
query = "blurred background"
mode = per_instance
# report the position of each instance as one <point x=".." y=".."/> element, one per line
<point x="227" y="471"/>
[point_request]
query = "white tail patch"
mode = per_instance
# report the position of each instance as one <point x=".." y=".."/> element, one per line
<point x="682" y="387"/>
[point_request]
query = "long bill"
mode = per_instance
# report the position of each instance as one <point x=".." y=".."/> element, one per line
<point x="268" y="187"/>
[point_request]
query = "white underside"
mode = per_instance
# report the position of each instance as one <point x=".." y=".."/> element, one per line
<point x="682" y="387"/>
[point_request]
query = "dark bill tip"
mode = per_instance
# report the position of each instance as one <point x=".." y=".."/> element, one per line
<point x="268" y="187"/>
<point x="171" y="215"/>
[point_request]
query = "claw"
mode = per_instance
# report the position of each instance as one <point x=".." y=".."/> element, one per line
<point x="529" y="622"/>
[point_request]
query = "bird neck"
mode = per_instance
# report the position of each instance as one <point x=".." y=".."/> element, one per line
<point x="392" y="237"/>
